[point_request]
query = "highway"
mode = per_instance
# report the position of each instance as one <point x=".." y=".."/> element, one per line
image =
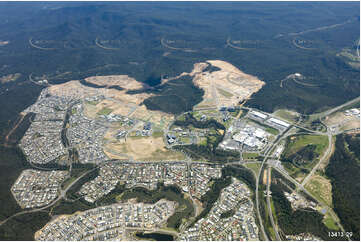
<point x="267" y="153"/>
<point x="332" y="110"/>
<point x="282" y="136"/>
<point x="268" y="198"/>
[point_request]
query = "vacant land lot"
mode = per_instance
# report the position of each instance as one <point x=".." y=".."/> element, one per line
<point x="321" y="187"/>
<point x="267" y="128"/>
<point x="159" y="118"/>
<point x="287" y="115"/>
<point x="9" y="78"/>
<point x="226" y="86"/>
<point x="143" y="148"/>
<point x="122" y="81"/>
<point x="254" y="167"/>
<point x="342" y="121"/>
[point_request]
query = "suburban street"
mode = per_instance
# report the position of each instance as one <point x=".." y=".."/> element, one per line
<point x="62" y="194"/>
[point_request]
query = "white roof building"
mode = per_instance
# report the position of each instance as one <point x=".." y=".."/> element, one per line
<point x="355" y="111"/>
<point x="260" y="133"/>
<point x="252" y="142"/>
<point x="258" y="114"/>
<point x="240" y="137"/>
<point x="279" y="122"/>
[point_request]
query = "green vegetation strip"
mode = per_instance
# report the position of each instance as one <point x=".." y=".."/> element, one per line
<point x="105" y="111"/>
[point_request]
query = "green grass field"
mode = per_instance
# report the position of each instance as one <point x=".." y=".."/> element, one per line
<point x="286" y="115"/>
<point x="157" y="134"/>
<point x="293" y="171"/>
<point x="92" y="102"/>
<point x="248" y="156"/>
<point x="105" y="111"/>
<point x="329" y="222"/>
<point x="187" y="140"/>
<point x="272" y="131"/>
<point x="295" y="143"/>
<point x="254" y="167"/>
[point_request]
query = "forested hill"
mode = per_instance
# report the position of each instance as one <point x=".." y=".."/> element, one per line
<point x="344" y="172"/>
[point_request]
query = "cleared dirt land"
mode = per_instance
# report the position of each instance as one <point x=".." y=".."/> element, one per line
<point x="342" y="121"/>
<point x="9" y="78"/>
<point x="225" y="87"/>
<point x="143" y="148"/>
<point x="77" y="90"/>
<point x="122" y="81"/>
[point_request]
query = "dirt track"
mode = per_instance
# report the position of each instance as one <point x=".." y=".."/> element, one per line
<point x="13" y="129"/>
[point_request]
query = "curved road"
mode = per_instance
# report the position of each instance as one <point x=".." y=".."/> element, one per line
<point x="322" y="159"/>
<point x="61" y="195"/>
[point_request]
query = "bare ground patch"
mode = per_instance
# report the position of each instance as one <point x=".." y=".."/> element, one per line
<point x="122" y="81"/>
<point x="144" y="148"/>
<point x="157" y="117"/>
<point x="9" y="78"/>
<point x="343" y="122"/>
<point x="225" y="87"/>
<point x="321" y="187"/>
<point x="335" y="118"/>
<point x="351" y="124"/>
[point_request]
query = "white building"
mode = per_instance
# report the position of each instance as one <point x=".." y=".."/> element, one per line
<point x="259" y="115"/>
<point x="279" y="122"/>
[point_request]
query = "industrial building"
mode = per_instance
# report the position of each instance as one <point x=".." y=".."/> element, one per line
<point x="278" y="122"/>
